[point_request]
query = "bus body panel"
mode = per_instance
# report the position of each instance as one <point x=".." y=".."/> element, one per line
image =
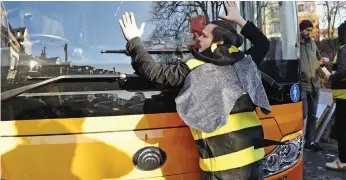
<point x="104" y="147"/>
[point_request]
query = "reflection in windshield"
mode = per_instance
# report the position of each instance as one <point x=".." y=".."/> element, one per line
<point x="87" y="104"/>
<point x="57" y="38"/>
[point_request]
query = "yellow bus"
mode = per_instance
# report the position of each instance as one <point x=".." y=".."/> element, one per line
<point x="73" y="113"/>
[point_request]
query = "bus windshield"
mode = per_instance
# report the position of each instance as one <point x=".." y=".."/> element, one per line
<point x="50" y="39"/>
<point x="57" y="38"/>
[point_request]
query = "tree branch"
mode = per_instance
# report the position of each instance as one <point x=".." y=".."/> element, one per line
<point x="172" y="19"/>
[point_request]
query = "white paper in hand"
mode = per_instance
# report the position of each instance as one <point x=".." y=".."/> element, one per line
<point x="326" y="72"/>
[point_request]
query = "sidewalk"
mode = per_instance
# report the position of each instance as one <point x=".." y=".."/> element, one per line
<point x="314" y="164"/>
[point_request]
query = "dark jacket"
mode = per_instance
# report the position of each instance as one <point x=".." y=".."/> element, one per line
<point x="174" y="75"/>
<point x="338" y="79"/>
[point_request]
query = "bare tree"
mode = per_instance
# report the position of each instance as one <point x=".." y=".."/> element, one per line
<point x="331" y="11"/>
<point x="172" y="18"/>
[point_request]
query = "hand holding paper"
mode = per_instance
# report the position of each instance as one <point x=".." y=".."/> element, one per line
<point x="326" y="72"/>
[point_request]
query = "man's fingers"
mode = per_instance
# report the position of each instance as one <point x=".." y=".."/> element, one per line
<point x="121" y="24"/>
<point x="235" y="4"/>
<point x="132" y="17"/>
<point x="125" y="20"/>
<point x="223" y="17"/>
<point x="226" y="3"/>
<point x="128" y="18"/>
<point x="141" y="29"/>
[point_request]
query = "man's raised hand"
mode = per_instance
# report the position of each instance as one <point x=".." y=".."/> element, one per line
<point x="233" y="13"/>
<point x="129" y="27"/>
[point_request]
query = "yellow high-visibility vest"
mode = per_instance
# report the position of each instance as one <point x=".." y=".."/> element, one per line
<point x="232" y="144"/>
<point x="338" y="93"/>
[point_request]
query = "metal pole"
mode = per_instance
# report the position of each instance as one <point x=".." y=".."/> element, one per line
<point x="66" y="67"/>
<point x="288" y="26"/>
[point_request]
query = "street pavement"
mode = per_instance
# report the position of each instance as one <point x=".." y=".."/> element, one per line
<point x="314" y="164"/>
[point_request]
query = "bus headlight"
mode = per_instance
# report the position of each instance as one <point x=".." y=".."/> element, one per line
<point x="284" y="156"/>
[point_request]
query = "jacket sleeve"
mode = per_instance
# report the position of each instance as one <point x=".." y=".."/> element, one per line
<point x="341" y="66"/>
<point x="144" y="64"/>
<point x="260" y="42"/>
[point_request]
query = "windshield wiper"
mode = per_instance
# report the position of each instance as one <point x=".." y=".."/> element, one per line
<point x="84" y="76"/>
<point x="152" y="51"/>
<point x="47" y="80"/>
<point x="271" y="81"/>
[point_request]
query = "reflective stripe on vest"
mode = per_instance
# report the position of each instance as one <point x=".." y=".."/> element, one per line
<point x="193" y="63"/>
<point x="231" y="146"/>
<point x="238" y="132"/>
<point x="232" y="160"/>
<point x="239" y="152"/>
<point x="338" y="93"/>
<point x="334" y="62"/>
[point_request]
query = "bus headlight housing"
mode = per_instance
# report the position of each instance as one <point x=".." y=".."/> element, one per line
<point x="284" y="156"/>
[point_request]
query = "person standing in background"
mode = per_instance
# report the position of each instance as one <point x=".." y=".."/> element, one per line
<point x="310" y="60"/>
<point x="338" y="81"/>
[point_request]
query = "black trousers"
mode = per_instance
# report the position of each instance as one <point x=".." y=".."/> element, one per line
<point x="252" y="171"/>
<point x="340" y="127"/>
